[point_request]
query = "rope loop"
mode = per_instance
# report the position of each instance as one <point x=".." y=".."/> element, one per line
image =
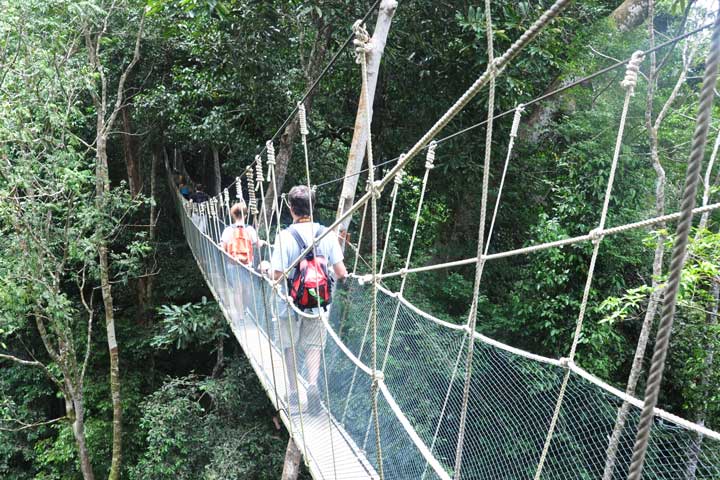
<point x="361" y="42"/>
<point x="303" y="118"/>
<point x="376" y="188"/>
<point x="226" y="197"/>
<point x="270" y="152"/>
<point x="259" y="170"/>
<point x="399" y="177"/>
<point x="403" y="272"/>
<point x="252" y="201"/>
<point x="516" y="119"/>
<point x="565" y="362"/>
<point x="430" y="158"/>
<point x="596" y="235"/>
<point x="631" y="73"/>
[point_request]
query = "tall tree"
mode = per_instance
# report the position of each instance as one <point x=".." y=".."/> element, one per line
<point x="361" y="130"/>
<point x="94" y="30"/>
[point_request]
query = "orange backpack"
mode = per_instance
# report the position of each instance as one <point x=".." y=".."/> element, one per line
<point x="240" y="247"/>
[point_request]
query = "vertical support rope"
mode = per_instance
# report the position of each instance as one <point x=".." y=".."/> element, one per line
<point x="362" y="43"/>
<point x="628" y="83"/>
<point x="677" y="262"/>
<point x="277" y="294"/>
<point x="303" y="134"/>
<point x="360" y="236"/>
<point x="472" y="317"/>
<point x="396" y="187"/>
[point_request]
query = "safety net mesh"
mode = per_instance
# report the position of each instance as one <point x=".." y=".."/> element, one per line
<point x="512" y="395"/>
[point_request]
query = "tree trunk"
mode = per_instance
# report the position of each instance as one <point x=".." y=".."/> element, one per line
<point x="629" y="15"/>
<point x="712" y="319"/>
<point x="75" y="408"/>
<point x="656" y="295"/>
<point x="217" y="176"/>
<point x="102" y="186"/>
<point x="152" y="229"/>
<point x="312" y="70"/>
<point x="361" y="132"/>
<point x="291" y="467"/>
<point x="220" y="359"/>
<point x="130" y="150"/>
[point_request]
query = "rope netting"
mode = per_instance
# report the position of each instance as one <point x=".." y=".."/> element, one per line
<point x="404" y="394"/>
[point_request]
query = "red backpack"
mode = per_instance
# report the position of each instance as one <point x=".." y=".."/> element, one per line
<point x="240" y="247"/>
<point x="310" y="285"/>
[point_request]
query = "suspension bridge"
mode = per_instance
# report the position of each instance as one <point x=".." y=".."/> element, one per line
<point x="406" y="395"/>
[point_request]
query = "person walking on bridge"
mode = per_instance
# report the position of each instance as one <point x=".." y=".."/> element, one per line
<point x="309" y="287"/>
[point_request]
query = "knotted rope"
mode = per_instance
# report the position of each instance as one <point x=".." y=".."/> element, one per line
<point x="472" y="318"/>
<point x="362" y="48"/>
<point x="692" y="178"/>
<point x="596" y="236"/>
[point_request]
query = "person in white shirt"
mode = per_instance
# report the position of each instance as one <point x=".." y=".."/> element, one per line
<point x="307" y="333"/>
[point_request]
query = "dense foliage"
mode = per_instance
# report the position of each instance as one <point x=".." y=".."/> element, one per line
<point x="212" y="82"/>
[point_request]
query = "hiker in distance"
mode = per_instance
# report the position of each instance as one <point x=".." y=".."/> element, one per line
<point x="239" y="240"/>
<point x="309" y="286"/>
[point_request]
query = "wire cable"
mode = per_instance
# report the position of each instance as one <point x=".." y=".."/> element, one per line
<point x="542" y="97"/>
<point x="315" y="83"/>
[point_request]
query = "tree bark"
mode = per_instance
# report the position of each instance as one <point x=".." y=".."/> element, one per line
<point x="711" y="321"/>
<point x="361" y="132"/>
<point x="152" y="229"/>
<point x="102" y="185"/>
<point x="75" y="408"/>
<point x="630" y="14"/>
<point x="312" y="70"/>
<point x="130" y="150"/>
<point x="291" y="467"/>
<point x="217" y="176"/>
<point x="220" y="358"/>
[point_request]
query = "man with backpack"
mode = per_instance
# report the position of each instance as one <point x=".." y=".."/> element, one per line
<point x="309" y="286"/>
<point x="238" y="240"/>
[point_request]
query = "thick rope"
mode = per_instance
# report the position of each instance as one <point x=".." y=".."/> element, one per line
<point x="677" y="262"/>
<point x="472" y="317"/>
<point x="628" y="83"/>
<point x="492" y="70"/>
<point x="277" y="289"/>
<point x="396" y="187"/>
<point x="303" y="134"/>
<point x="362" y="48"/>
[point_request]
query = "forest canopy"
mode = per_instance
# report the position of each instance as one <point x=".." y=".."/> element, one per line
<point x="116" y="360"/>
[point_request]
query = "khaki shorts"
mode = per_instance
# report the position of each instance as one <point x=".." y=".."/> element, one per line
<point x="302" y="331"/>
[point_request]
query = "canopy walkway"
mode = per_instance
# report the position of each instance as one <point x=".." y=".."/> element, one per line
<point x="406" y="395"/>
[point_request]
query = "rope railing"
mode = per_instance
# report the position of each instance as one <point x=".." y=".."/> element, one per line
<point x="589" y="237"/>
<point x="538" y="99"/>
<point x="439" y="398"/>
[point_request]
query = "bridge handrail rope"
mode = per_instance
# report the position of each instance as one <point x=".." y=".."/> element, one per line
<point x="537" y="99"/>
<point x="216" y="267"/>
<point x="499" y="64"/>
